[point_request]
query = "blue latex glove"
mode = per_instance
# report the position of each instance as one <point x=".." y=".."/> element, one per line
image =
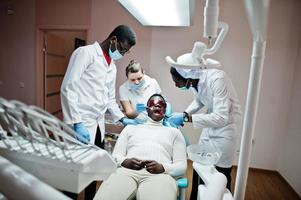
<point x="126" y="121"/>
<point x="176" y="119"/>
<point x="82" y="132"/>
<point x="167" y="123"/>
<point x="168" y="111"/>
<point x="140" y="107"/>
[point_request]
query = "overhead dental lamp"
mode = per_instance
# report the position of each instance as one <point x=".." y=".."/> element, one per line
<point x="196" y="59"/>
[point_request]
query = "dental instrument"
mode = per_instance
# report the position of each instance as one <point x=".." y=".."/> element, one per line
<point x="46" y="147"/>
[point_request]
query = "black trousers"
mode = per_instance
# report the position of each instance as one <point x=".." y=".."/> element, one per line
<point x="196" y="180"/>
<point x="90" y="190"/>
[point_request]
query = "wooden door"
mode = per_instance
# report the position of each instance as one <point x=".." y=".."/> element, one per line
<point x="55" y="65"/>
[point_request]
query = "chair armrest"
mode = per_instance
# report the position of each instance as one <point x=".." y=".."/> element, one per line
<point x="182" y="182"/>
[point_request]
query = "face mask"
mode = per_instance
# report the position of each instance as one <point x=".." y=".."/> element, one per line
<point x="116" y="55"/>
<point x="186" y="87"/>
<point x="134" y="86"/>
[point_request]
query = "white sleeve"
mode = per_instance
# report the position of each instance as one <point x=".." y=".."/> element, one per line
<point x="123" y="93"/>
<point x="112" y="105"/>
<point x="120" y="149"/>
<point x="179" y="159"/>
<point x="194" y="107"/>
<point x="78" y="63"/>
<point x="221" y="107"/>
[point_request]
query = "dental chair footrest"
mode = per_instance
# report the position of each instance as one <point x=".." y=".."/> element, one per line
<point x="202" y="189"/>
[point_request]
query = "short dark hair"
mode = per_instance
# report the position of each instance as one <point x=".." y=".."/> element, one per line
<point x="124" y="33"/>
<point x="176" y="74"/>
<point x="155" y="95"/>
<point x="133" y="67"/>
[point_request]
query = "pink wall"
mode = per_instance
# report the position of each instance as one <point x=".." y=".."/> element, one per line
<point x="63" y="12"/>
<point x="289" y="159"/>
<point x="17" y="48"/>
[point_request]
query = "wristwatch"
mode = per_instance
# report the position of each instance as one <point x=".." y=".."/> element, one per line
<point x="186" y="117"/>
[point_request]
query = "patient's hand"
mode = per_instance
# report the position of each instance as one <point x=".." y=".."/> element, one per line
<point x="132" y="163"/>
<point x="153" y="167"/>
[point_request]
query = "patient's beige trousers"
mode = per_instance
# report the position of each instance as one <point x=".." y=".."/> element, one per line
<point x="127" y="184"/>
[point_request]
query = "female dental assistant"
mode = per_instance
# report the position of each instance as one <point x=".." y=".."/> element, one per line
<point x="135" y="92"/>
<point x="213" y="89"/>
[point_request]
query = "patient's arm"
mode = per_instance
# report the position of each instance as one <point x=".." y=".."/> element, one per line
<point x="120" y="149"/>
<point x="179" y="159"/>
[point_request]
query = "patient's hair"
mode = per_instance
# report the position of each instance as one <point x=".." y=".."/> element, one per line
<point x="154" y="95"/>
<point x="133" y="67"/>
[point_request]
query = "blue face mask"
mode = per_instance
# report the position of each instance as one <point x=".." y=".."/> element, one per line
<point x="116" y="55"/>
<point x="186" y="87"/>
<point x="135" y="87"/>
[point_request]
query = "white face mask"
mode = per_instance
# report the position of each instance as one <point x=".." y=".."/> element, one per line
<point x="116" y="55"/>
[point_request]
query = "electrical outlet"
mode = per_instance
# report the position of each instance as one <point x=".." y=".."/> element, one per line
<point x="253" y="140"/>
<point x="21" y="84"/>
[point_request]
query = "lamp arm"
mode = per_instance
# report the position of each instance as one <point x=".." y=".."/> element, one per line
<point x="220" y="38"/>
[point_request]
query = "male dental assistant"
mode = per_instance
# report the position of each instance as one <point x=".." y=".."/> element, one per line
<point x="88" y="88"/>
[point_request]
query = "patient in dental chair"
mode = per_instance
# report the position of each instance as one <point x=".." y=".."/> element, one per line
<point x="149" y="156"/>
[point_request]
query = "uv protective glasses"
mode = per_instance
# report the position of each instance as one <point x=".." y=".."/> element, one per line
<point x="156" y="102"/>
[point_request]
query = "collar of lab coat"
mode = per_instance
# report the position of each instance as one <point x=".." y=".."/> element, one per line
<point x="100" y="52"/>
<point x="98" y="49"/>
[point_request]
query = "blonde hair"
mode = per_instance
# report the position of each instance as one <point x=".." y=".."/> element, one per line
<point x="133" y="67"/>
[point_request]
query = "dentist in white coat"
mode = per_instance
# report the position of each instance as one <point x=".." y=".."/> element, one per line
<point x="213" y="89"/>
<point x="88" y="88"/>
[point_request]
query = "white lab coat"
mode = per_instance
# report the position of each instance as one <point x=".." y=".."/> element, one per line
<point x="220" y="123"/>
<point x="88" y="89"/>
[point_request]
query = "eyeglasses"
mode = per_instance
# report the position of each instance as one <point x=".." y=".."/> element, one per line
<point x="122" y="49"/>
<point x="156" y="102"/>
